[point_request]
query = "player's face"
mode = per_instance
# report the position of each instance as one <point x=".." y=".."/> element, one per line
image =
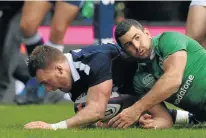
<point x="137" y="43"/>
<point x="54" y="78"/>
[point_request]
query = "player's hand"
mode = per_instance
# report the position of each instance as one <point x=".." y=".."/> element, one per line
<point x="125" y="119"/>
<point x="146" y="121"/>
<point x="37" y="125"/>
<point x="100" y="124"/>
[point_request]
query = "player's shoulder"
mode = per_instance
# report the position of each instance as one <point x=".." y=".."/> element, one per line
<point x="168" y="40"/>
<point x="171" y="36"/>
<point x="109" y="49"/>
<point x="168" y="36"/>
<point x="103" y="50"/>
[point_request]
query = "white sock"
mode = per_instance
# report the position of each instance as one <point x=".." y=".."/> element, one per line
<point x="32" y="40"/>
<point x="182" y="117"/>
<point x="60" y="47"/>
<point x="19" y="87"/>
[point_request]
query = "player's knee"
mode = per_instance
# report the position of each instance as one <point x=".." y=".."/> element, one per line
<point x="28" y="26"/>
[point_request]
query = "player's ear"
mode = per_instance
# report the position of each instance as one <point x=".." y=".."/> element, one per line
<point x="59" y="69"/>
<point x="146" y="31"/>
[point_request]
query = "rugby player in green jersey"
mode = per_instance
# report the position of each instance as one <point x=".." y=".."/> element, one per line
<point x="176" y="61"/>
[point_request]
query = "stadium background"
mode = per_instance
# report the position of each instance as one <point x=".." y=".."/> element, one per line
<point x="158" y="16"/>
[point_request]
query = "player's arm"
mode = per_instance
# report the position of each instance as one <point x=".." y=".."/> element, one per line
<point x="168" y="83"/>
<point x="174" y="65"/>
<point x="97" y="99"/>
<point x="159" y="118"/>
<point x="100" y="87"/>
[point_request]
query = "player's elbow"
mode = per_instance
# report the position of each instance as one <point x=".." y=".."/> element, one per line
<point x="177" y="82"/>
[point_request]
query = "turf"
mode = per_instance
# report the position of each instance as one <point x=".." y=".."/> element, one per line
<point x="12" y="119"/>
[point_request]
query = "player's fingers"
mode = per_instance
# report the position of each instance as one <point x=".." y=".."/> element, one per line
<point x="29" y="124"/>
<point x="33" y="126"/>
<point x="105" y="125"/>
<point x="149" y="126"/>
<point x="126" y="126"/>
<point x="99" y="124"/>
<point x="144" y="122"/>
<point x="34" y="122"/>
<point x="102" y="124"/>
<point x="37" y="124"/>
<point x="147" y="116"/>
<point x="114" y="119"/>
<point x="121" y="125"/>
<point x="115" y="124"/>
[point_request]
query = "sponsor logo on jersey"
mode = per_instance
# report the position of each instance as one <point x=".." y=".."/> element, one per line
<point x="148" y="79"/>
<point x="183" y="90"/>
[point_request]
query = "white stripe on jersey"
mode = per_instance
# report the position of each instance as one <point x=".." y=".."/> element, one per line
<point x="82" y="67"/>
<point x="75" y="74"/>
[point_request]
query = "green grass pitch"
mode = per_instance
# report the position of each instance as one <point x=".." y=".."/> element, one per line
<point x="12" y="119"/>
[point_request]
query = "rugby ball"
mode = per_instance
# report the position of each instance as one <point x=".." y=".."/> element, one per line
<point x="116" y="104"/>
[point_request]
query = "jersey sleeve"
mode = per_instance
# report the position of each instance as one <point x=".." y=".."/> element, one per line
<point x="100" y="69"/>
<point x="142" y="83"/>
<point x="171" y="42"/>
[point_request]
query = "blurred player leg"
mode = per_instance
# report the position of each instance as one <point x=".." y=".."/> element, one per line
<point x="21" y="72"/>
<point x="5" y="54"/>
<point x="65" y="12"/>
<point x="196" y="22"/>
<point x="32" y="15"/>
<point x="14" y="62"/>
<point x="103" y="21"/>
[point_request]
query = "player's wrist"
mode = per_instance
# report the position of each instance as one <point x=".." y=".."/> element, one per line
<point x="138" y="108"/>
<point x="59" y="125"/>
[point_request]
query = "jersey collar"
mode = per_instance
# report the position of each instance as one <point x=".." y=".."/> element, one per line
<point x="152" y="55"/>
<point x="75" y="74"/>
<point x="154" y="44"/>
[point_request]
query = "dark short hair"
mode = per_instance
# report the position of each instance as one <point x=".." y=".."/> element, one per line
<point x="124" y="27"/>
<point x="41" y="57"/>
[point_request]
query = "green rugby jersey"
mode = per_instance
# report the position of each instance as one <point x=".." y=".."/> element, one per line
<point x="191" y="95"/>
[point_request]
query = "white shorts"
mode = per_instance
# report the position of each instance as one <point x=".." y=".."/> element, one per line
<point x="198" y="2"/>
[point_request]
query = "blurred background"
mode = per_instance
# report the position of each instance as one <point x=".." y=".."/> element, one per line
<point x="69" y="25"/>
